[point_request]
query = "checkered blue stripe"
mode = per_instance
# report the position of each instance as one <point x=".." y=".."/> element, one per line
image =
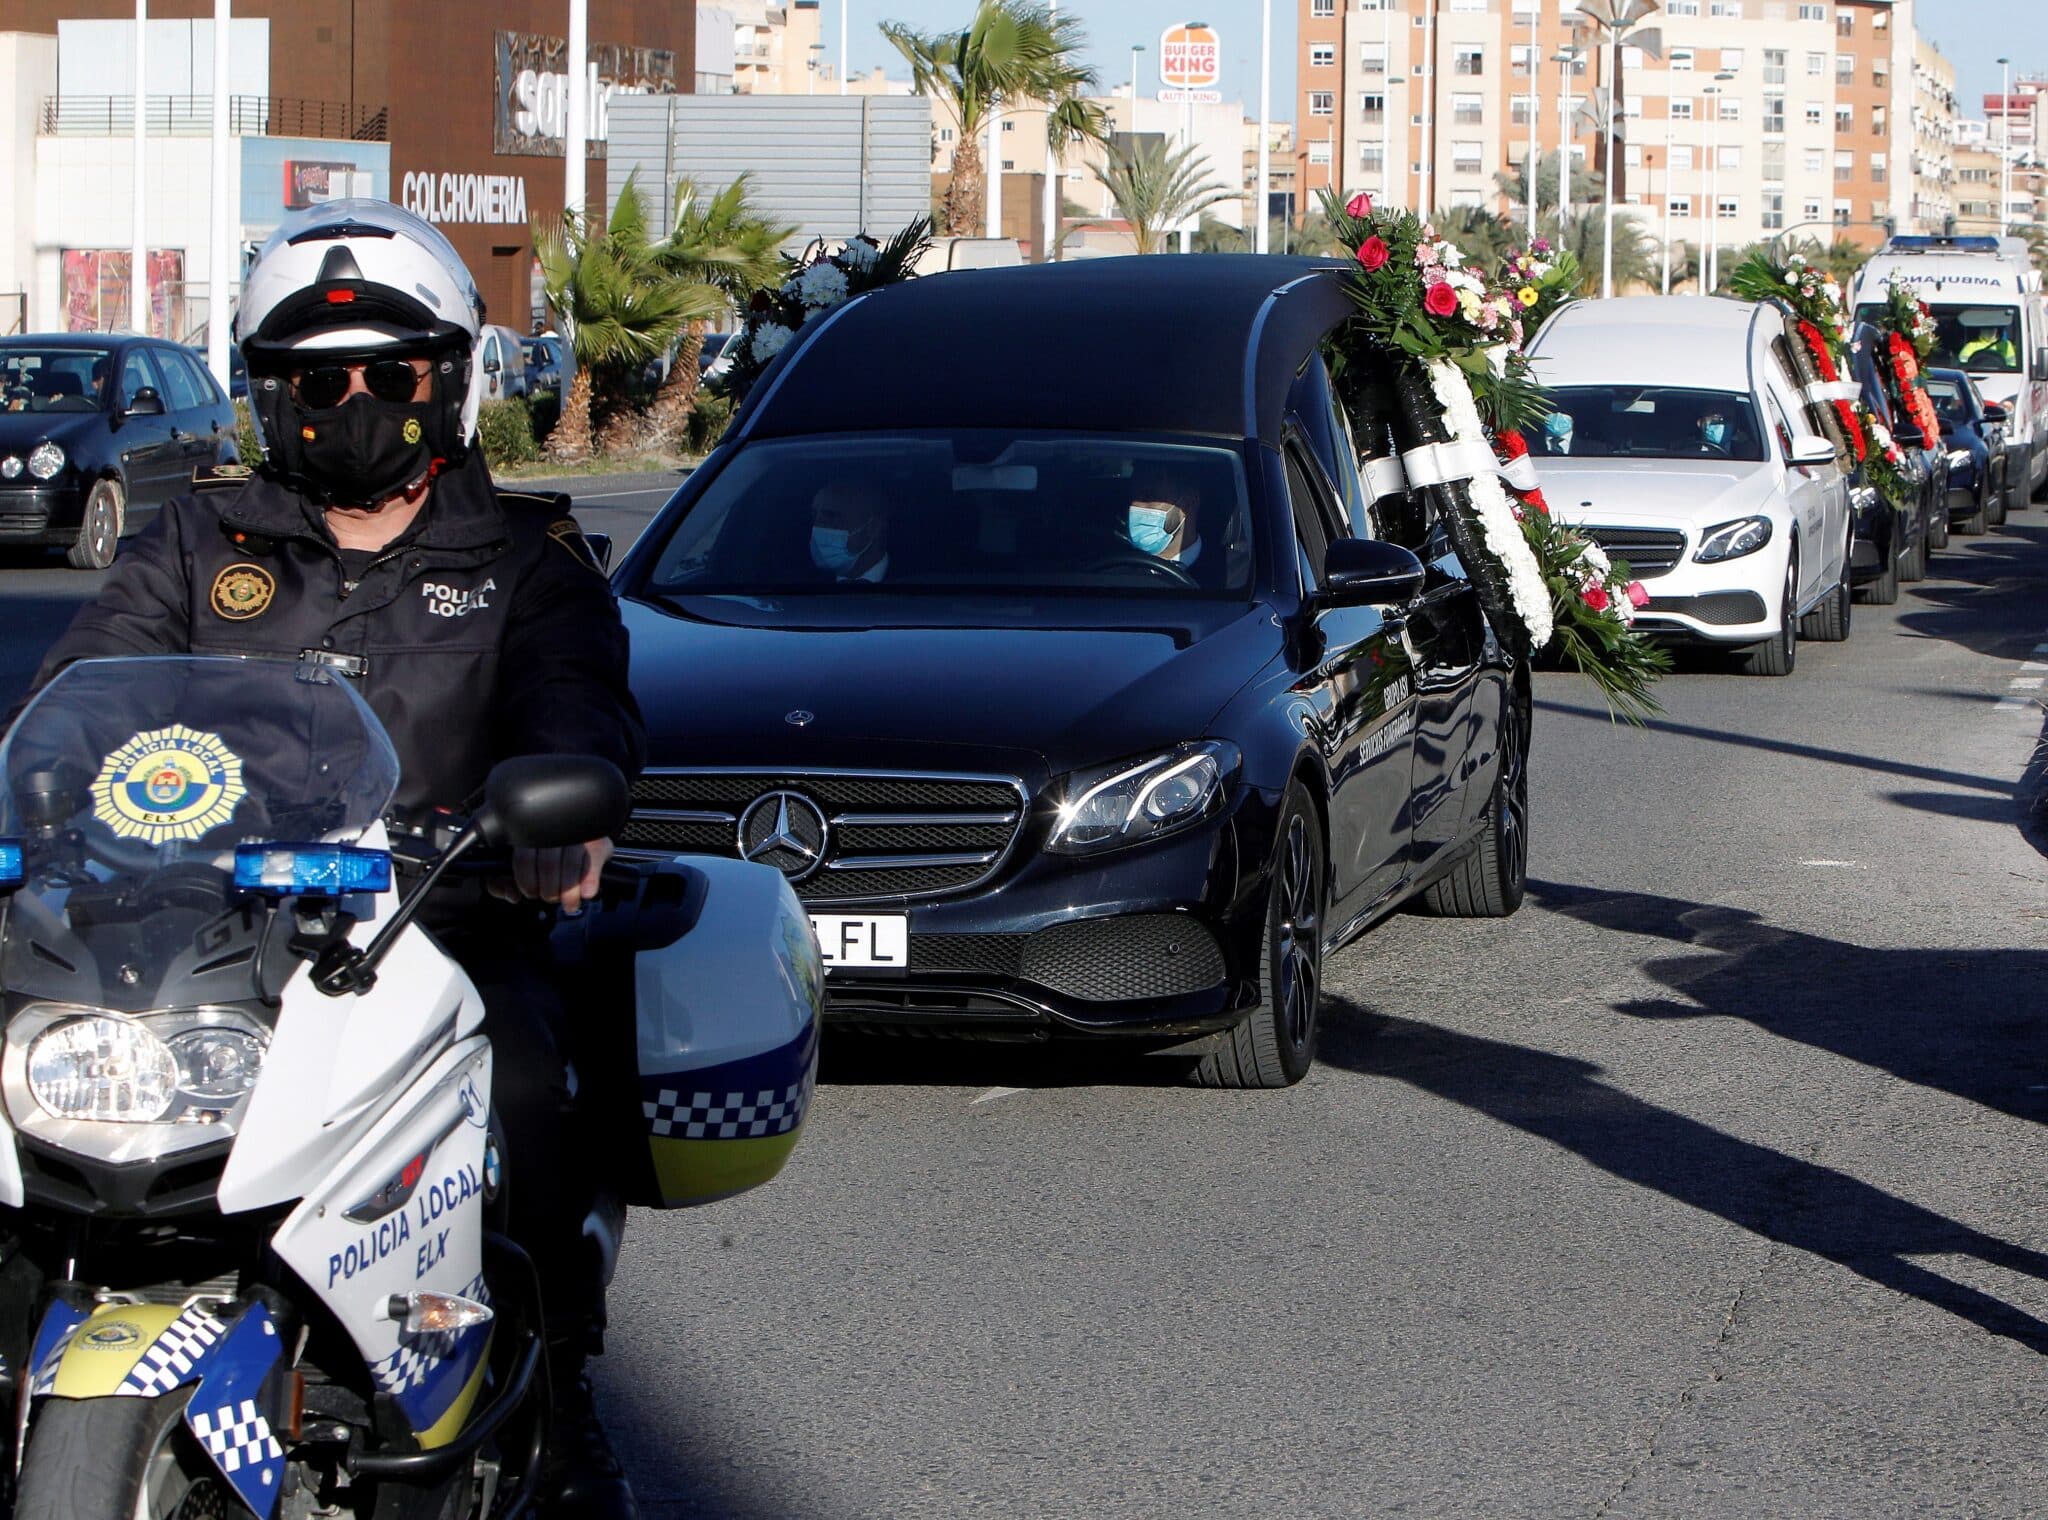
<point x="419" y="1358"/>
<point x="728" y="1115"/>
<point x="175" y="1355"/>
<point x="238" y="1437"/>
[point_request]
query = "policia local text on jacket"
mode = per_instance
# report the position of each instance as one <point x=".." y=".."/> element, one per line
<point x="485" y="631"/>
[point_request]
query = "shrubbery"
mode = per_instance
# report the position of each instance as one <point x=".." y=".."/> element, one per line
<point x="504" y="429"/>
<point x="247" y="449"/>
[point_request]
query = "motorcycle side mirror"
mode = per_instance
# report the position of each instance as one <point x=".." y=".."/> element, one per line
<point x="538" y="802"/>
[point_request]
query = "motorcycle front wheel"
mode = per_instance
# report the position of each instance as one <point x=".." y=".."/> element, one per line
<point x="117" y="1458"/>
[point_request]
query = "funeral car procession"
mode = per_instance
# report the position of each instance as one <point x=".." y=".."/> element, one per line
<point x="1099" y="709"/>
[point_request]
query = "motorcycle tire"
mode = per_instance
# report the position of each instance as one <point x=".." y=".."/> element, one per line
<point x="108" y="1459"/>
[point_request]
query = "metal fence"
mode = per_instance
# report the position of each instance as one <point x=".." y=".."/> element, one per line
<point x="192" y="116"/>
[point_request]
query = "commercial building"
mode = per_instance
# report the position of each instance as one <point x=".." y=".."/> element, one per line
<point x="455" y="109"/>
<point x="1934" y="137"/>
<point x="1739" y="119"/>
<point x="753" y="47"/>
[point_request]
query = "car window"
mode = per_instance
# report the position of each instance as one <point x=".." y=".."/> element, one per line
<point x="1780" y="423"/>
<point x="1314" y="410"/>
<point x="202" y="377"/>
<point x="181" y="391"/>
<point x="1311" y="517"/>
<point x="51" y="379"/>
<point x="1982" y="338"/>
<point x="1650" y="422"/>
<point x="966" y="513"/>
<point x="138" y="374"/>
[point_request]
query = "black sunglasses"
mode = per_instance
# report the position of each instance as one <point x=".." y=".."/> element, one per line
<point x="323" y="387"/>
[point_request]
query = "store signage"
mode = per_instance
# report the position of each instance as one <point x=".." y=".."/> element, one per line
<point x="472" y="199"/>
<point x="1191" y="97"/>
<point x="532" y="111"/>
<point x="1190" y="57"/>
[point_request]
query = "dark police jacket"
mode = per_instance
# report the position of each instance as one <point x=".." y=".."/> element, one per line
<point x="486" y="631"/>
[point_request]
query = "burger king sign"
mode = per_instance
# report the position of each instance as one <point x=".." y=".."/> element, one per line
<point x="1190" y="58"/>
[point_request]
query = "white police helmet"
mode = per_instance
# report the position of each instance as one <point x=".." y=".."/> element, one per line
<point x="351" y="277"/>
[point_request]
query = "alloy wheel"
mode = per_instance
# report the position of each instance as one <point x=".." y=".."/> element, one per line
<point x="1513" y="827"/>
<point x="103" y="527"/>
<point x="1297" y="935"/>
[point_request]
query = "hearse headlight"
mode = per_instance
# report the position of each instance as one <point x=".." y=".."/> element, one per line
<point x="45" y="460"/>
<point x="189" y="1066"/>
<point x="1134" y="801"/>
<point x="1732" y="540"/>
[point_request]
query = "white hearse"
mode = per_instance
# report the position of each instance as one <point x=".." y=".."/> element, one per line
<point x="1677" y="440"/>
<point x="1989" y="312"/>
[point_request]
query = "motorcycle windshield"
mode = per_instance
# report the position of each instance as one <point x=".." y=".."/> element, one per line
<point x="129" y="783"/>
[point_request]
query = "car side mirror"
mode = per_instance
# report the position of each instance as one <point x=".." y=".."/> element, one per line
<point x="491" y="364"/>
<point x="1812" y="451"/>
<point x="2040" y="363"/>
<point x="146" y="403"/>
<point x="600" y="549"/>
<point x="541" y="802"/>
<point x="1994" y="412"/>
<point x="1907" y="436"/>
<point x="1368" y="572"/>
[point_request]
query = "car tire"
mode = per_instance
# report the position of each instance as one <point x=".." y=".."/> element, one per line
<point x="1999" y="502"/>
<point x="99" y="528"/>
<point x="1275" y="1044"/>
<point x="1937" y="529"/>
<point x="1778" y="654"/>
<point x="1913" y="563"/>
<point x="1829" y="622"/>
<point x="1492" y="874"/>
<point x="1882" y="590"/>
<point x="1975" y="522"/>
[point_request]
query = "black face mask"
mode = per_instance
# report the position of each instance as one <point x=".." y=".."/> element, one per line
<point x="365" y="451"/>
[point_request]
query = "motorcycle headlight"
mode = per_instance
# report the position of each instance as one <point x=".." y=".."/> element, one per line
<point x="1732" y="540"/>
<point x="182" y="1067"/>
<point x="1135" y="801"/>
<point x="45" y="460"/>
<point x="108" y="1069"/>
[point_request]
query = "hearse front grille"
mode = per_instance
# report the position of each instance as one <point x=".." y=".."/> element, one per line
<point x="884" y="836"/>
<point x="1650" y="552"/>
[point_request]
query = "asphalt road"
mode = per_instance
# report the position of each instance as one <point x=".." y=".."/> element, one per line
<point x="1710" y="1185"/>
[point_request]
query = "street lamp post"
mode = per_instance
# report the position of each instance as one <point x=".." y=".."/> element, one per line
<point x="224" y="243"/>
<point x="844" y="7"/>
<point x="2004" y="145"/>
<point x="1387" y="135"/>
<point x="1568" y="56"/>
<point x="578" y="105"/>
<point x="1710" y="269"/>
<point x="1535" y="101"/>
<point x="1049" y="211"/>
<point x="1667" y="201"/>
<point x="1617" y="20"/>
<point x="1262" y="207"/>
<point x="138" y="247"/>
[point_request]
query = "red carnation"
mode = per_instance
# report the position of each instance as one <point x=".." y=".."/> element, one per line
<point x="1359" y="205"/>
<point x="1440" y="300"/>
<point x="1510" y="445"/>
<point x="1595" y="597"/>
<point x="1372" y="253"/>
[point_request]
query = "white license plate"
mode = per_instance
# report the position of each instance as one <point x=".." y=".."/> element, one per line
<point x="866" y="942"/>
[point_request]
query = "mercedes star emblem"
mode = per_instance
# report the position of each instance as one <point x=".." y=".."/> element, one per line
<point x="799" y="717"/>
<point x="784" y="830"/>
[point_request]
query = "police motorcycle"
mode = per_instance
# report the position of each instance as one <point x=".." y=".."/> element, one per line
<point x="251" y="1187"/>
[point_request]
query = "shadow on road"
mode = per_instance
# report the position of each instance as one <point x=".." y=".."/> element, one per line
<point x="1981" y="593"/>
<point x="1779" y="1197"/>
<point x="862" y="1060"/>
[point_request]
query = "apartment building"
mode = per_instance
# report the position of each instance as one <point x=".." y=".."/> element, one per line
<point x="753" y="47"/>
<point x="1428" y="102"/>
<point x="1934" y="137"/>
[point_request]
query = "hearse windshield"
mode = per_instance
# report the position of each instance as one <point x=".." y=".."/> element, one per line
<point x="1648" y="422"/>
<point x="965" y="514"/>
<point x="1985" y="339"/>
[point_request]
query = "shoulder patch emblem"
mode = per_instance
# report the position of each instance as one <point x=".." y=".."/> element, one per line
<point x="229" y="474"/>
<point x="565" y="532"/>
<point x="243" y="591"/>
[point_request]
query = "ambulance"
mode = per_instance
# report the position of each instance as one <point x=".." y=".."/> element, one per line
<point x="1992" y="318"/>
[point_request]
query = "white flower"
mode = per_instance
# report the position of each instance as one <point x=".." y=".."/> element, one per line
<point x="1595" y="559"/>
<point x="859" y="255"/>
<point x="823" y="284"/>
<point x="1468" y="304"/>
<point x="1528" y="592"/>
<point x="769" y="339"/>
<point x="1452" y="258"/>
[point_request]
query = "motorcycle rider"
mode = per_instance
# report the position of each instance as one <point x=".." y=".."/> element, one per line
<point x="476" y="624"/>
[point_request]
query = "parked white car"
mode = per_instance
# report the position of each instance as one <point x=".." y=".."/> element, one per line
<point x="1677" y="439"/>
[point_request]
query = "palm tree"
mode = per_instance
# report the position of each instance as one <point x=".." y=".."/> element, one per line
<point x="1638" y="258"/>
<point x="1156" y="189"/>
<point x="1013" y="52"/>
<point x="724" y="242"/>
<point x="1483" y="237"/>
<point x="616" y="311"/>
<point x="1513" y="183"/>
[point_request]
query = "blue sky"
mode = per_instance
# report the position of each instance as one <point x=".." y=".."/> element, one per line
<point x="1971" y="32"/>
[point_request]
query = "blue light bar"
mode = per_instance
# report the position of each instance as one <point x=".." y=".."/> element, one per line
<point x="310" y="870"/>
<point x="12" y="866"/>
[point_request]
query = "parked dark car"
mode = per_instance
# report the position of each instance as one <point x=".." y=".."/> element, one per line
<point x="1077" y="707"/>
<point x="1894" y="544"/>
<point x="238" y="370"/>
<point x="714" y="349"/>
<point x="1973" y="431"/>
<point x="547" y="358"/>
<point x="97" y="432"/>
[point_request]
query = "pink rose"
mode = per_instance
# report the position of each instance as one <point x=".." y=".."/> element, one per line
<point x="1359" y="205"/>
<point x="1372" y="253"/>
<point x="1637" y="596"/>
<point x="1440" y="300"/>
<point x="1595" y="597"/>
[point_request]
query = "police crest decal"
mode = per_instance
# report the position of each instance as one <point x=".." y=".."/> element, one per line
<point x="168" y="784"/>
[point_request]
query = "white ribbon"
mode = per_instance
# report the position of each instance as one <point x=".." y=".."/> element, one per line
<point x="1383" y="478"/>
<point x="1435" y="464"/>
<point x="1833" y="390"/>
<point x="1520" y="473"/>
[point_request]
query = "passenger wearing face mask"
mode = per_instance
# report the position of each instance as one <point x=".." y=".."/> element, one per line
<point x="1713" y="431"/>
<point x="1557" y="432"/>
<point x="850" y="533"/>
<point x="1161" y="521"/>
<point x="475" y="622"/>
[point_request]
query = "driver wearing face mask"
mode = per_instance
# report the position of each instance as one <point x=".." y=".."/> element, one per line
<point x="1161" y="521"/>
<point x="850" y="533"/>
<point x="1557" y="433"/>
<point x="1713" y="430"/>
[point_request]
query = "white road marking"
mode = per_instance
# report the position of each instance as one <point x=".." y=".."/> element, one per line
<point x="998" y="1092"/>
<point x="2026" y="683"/>
<point x="579" y="501"/>
<point x="1846" y="865"/>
